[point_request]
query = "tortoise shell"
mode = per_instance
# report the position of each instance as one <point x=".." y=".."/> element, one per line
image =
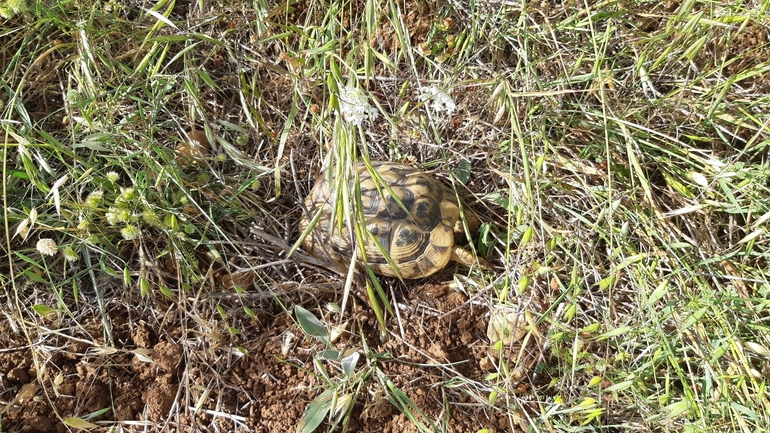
<point x="418" y="234"/>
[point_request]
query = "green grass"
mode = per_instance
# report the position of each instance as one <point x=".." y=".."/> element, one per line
<point x="618" y="151"/>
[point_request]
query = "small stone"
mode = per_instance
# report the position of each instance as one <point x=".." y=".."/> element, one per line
<point x="486" y="364"/>
<point x="507" y="327"/>
<point x="18" y="374"/>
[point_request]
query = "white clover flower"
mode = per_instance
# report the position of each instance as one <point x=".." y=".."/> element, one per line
<point x="437" y="99"/>
<point x="112" y="218"/>
<point x="127" y="193"/>
<point x="47" y="246"/>
<point x="117" y="215"/>
<point x="130" y="232"/>
<point x="74" y="97"/>
<point x="149" y="216"/>
<point x="113" y="176"/>
<point x="94" y="199"/>
<point x="6" y="12"/>
<point x="113" y="215"/>
<point x="13" y="7"/>
<point x="354" y="106"/>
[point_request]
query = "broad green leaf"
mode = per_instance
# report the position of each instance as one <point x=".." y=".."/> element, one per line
<point x="463" y="172"/>
<point x="316" y="412"/>
<point x="309" y="323"/>
<point x="349" y="363"/>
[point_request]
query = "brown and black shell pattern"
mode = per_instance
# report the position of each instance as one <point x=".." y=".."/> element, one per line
<point x="417" y="234"/>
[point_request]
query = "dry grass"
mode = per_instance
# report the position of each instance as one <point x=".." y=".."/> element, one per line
<point x="617" y="151"/>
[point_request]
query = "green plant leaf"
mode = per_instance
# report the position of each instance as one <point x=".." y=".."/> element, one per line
<point x="463" y="172"/>
<point x="310" y="323"/>
<point x="328" y="355"/>
<point x="44" y="310"/>
<point x="80" y="423"/>
<point x="349" y="363"/>
<point x="316" y="412"/>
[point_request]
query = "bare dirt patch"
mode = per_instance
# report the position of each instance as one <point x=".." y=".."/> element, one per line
<point x="163" y="372"/>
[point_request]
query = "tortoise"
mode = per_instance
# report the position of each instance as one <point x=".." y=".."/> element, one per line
<point x="418" y="234"/>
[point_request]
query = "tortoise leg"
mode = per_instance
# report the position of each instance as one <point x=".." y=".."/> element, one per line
<point x="465" y="257"/>
<point x="471" y="219"/>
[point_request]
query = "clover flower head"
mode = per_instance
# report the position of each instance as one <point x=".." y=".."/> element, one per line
<point x="130" y="232"/>
<point x="149" y="216"/>
<point x="47" y="246"/>
<point x="94" y="199"/>
<point x="127" y="193"/>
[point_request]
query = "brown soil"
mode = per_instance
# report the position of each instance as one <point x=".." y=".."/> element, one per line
<point x="169" y="371"/>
